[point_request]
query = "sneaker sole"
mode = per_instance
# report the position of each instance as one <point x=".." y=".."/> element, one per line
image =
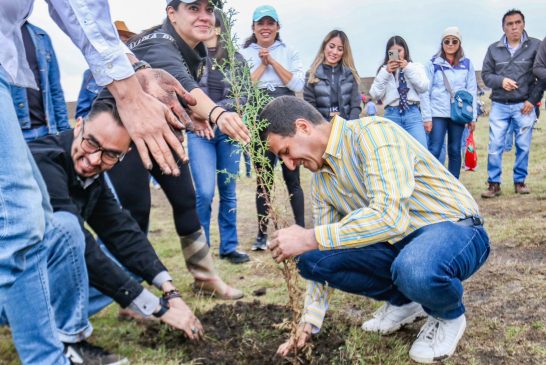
<point x="423" y="360"/>
<point x="409" y="320"/>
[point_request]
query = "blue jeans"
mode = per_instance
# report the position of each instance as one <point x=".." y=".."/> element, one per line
<point x="500" y="118"/>
<point x="68" y="280"/>
<point x="441" y="126"/>
<point x="411" y="120"/>
<point x="427" y="267"/>
<point x="35" y="133"/>
<point x="26" y="231"/>
<point x="217" y="158"/>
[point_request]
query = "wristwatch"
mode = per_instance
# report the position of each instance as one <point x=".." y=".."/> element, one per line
<point x="163" y="308"/>
<point x="141" y="65"/>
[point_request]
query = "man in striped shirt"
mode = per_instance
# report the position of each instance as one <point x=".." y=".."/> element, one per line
<point x="391" y="223"/>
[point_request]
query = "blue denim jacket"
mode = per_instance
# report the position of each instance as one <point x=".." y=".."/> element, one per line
<point x="88" y="93"/>
<point x="50" y="85"/>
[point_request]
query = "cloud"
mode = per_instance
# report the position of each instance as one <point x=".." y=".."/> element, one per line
<point x="368" y="23"/>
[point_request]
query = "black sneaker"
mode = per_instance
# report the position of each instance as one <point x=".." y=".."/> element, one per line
<point x="84" y="353"/>
<point x="236" y="257"/>
<point x="261" y="243"/>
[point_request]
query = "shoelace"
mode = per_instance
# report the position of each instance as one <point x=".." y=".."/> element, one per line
<point x="430" y="331"/>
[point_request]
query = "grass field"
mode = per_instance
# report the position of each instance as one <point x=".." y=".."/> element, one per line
<point x="504" y="300"/>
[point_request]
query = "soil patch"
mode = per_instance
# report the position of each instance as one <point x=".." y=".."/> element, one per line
<point x="246" y="333"/>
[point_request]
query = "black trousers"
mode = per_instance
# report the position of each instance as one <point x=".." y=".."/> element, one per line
<point x="131" y="181"/>
<point x="292" y="180"/>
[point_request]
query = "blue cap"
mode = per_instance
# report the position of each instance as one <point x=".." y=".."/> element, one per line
<point x="263" y="11"/>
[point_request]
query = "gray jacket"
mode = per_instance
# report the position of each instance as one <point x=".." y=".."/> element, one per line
<point x="498" y="64"/>
<point x="539" y="68"/>
<point x="349" y="98"/>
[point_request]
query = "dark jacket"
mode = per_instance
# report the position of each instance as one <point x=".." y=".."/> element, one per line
<point x="539" y="67"/>
<point x="227" y="101"/>
<point x="163" y="48"/>
<point x="318" y="94"/>
<point x="498" y="64"/>
<point x="97" y="206"/>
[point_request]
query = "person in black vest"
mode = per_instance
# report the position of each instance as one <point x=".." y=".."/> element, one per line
<point x="331" y="84"/>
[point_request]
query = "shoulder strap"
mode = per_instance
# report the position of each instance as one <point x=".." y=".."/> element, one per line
<point x="446" y="83"/>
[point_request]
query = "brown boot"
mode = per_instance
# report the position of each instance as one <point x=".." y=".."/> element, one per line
<point x="521" y="188"/>
<point x="492" y="191"/>
<point x="199" y="263"/>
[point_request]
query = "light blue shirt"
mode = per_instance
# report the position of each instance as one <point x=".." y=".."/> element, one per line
<point x="284" y="55"/>
<point x="88" y="24"/>
<point x="513" y="50"/>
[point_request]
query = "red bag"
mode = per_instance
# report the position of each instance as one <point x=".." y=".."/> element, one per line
<point x="471" y="156"/>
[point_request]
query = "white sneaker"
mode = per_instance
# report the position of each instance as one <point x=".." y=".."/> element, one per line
<point x="437" y="339"/>
<point x="390" y="318"/>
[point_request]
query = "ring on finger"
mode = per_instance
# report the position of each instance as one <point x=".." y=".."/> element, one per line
<point x="194" y="330"/>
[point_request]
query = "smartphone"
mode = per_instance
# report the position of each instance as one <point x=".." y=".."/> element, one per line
<point x="393" y="54"/>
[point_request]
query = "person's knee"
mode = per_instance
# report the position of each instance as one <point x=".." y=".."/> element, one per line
<point x="69" y="226"/>
<point x="307" y="263"/>
<point x="411" y="274"/>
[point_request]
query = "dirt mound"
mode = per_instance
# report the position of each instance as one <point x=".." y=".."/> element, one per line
<point x="246" y="333"/>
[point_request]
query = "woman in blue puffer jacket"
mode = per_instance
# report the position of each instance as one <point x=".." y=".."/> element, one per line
<point x="460" y="74"/>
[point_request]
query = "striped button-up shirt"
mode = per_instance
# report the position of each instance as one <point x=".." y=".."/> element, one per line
<point x="377" y="184"/>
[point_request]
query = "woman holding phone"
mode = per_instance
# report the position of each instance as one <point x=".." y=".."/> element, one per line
<point x="331" y="84"/>
<point x="398" y="83"/>
<point x="459" y="73"/>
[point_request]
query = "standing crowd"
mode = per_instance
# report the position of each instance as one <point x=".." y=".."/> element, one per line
<point x="381" y="195"/>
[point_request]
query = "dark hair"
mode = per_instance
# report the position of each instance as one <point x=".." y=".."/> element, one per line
<point x="221" y="52"/>
<point x="252" y="38"/>
<point x="282" y="112"/>
<point x="104" y="106"/>
<point x="399" y="41"/>
<point x="512" y="12"/>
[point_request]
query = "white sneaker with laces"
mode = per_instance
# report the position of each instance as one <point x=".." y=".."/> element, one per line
<point x="437" y="339"/>
<point x="390" y="318"/>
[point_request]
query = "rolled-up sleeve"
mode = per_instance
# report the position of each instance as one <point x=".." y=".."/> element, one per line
<point x="88" y="23"/>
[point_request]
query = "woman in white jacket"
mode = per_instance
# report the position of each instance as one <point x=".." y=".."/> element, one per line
<point x="398" y="84"/>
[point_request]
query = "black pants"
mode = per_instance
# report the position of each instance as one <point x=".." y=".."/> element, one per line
<point x="292" y="180"/>
<point x="132" y="184"/>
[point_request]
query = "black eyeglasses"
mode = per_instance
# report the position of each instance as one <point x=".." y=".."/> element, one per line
<point x="448" y="42"/>
<point x="90" y="146"/>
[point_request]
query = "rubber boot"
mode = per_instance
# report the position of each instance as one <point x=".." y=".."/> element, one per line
<point x="199" y="263"/>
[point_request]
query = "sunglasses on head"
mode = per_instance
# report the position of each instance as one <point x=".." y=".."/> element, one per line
<point x="448" y="42"/>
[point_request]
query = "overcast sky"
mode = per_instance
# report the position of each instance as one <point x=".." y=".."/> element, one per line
<point x="368" y="23"/>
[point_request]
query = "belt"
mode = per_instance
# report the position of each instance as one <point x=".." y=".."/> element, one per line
<point x="509" y="102"/>
<point x="475" y="220"/>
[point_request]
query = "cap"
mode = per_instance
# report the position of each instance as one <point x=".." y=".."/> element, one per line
<point x="263" y="11"/>
<point x="216" y="3"/>
<point x="122" y="29"/>
<point x="452" y="31"/>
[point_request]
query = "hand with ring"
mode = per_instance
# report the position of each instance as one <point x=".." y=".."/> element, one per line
<point x="181" y="317"/>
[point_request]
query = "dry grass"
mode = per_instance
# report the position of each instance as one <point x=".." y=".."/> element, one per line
<point x="504" y="300"/>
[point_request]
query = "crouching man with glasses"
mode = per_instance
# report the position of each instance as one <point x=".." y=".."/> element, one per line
<point x="72" y="164"/>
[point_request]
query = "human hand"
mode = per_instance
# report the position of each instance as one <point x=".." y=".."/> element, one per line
<point x="471" y="126"/>
<point x="231" y="124"/>
<point x="182" y="318"/>
<point x="264" y="56"/>
<point x="509" y="84"/>
<point x="201" y="127"/>
<point x="527" y="107"/>
<point x="148" y="121"/>
<point x="164" y="87"/>
<point x="427" y="124"/>
<point x="402" y="63"/>
<point x="303" y="334"/>
<point x="291" y="241"/>
<point x="392" y="66"/>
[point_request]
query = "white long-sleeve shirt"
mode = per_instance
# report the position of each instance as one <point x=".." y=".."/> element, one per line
<point x="86" y="22"/>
